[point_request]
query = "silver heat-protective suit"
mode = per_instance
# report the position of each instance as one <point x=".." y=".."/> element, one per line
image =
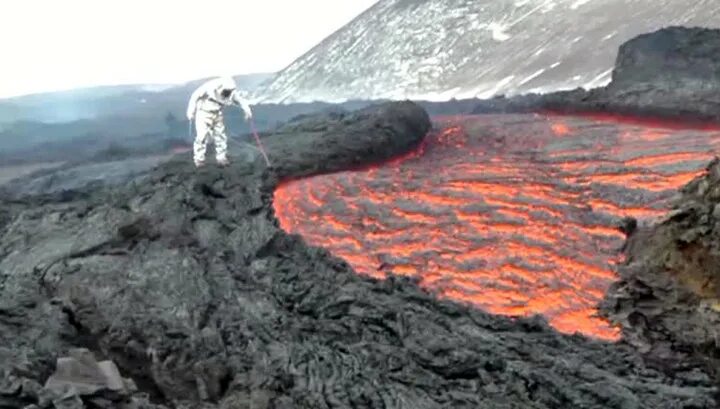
<point x="205" y="106"/>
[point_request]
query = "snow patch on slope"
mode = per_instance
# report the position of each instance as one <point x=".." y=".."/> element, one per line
<point x="498" y="31"/>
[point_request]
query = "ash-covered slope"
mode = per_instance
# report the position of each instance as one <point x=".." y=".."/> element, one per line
<point x="186" y="282"/>
<point x="673" y="72"/>
<point x="438" y="49"/>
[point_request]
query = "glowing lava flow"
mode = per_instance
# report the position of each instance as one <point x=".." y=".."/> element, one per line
<point x="512" y="213"/>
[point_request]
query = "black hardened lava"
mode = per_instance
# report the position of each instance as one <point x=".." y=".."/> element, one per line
<point x="185" y="280"/>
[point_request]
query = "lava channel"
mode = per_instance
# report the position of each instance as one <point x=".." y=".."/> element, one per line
<point x="514" y="214"/>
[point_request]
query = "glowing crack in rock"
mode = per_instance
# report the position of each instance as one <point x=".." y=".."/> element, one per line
<point x="514" y="214"/>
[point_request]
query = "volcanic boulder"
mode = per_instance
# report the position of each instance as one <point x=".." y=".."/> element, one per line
<point x="668" y="297"/>
<point x="185" y="282"/>
<point x="367" y="135"/>
<point x="674" y="57"/>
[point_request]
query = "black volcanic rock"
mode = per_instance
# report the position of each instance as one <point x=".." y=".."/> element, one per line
<point x="185" y="282"/>
<point x="673" y="72"/>
<point x="79" y="175"/>
<point x="358" y="139"/>
<point x="668" y="298"/>
<point x="679" y="57"/>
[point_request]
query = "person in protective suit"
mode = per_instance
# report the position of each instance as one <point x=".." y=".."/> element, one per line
<point x="206" y="105"/>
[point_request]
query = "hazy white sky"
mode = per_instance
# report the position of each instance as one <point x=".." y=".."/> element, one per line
<point x="51" y="45"/>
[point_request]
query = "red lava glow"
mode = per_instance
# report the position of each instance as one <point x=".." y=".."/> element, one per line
<point x="514" y="214"/>
<point x="647" y="122"/>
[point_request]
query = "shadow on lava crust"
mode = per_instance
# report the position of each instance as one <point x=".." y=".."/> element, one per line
<point x="185" y="280"/>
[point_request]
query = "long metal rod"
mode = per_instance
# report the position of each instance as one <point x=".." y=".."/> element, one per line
<point x="257" y="140"/>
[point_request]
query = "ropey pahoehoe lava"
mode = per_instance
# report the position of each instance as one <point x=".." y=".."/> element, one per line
<point x="515" y="214"/>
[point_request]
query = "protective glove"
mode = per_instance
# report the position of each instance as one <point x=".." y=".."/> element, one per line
<point x="246" y="109"/>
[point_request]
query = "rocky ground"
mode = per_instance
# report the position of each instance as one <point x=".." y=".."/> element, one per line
<point x="184" y="293"/>
<point x="11" y="173"/>
<point x="668" y="297"/>
<point x="72" y="176"/>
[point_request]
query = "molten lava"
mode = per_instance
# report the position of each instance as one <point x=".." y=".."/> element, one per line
<point x="512" y="213"/>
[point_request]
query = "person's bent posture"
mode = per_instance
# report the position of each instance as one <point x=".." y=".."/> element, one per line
<point x="205" y="106"/>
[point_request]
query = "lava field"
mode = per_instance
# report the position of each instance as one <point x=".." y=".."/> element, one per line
<point x="184" y="280"/>
<point x="516" y="214"/>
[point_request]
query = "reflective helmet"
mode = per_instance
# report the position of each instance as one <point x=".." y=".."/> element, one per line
<point x="227" y="86"/>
